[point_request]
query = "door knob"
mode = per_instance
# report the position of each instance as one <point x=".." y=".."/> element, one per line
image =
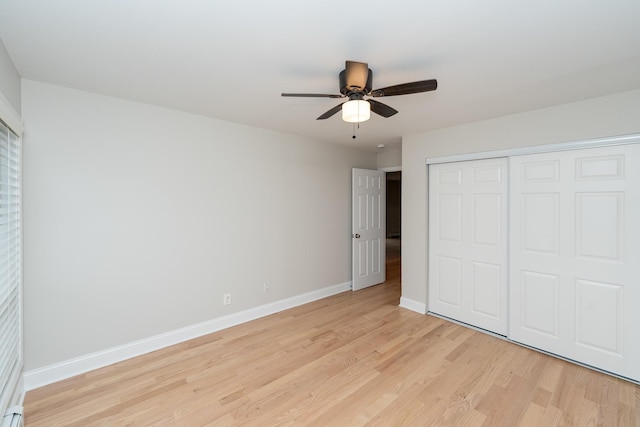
<point x="357" y="236"/>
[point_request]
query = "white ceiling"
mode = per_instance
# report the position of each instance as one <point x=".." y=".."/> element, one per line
<point x="232" y="59"/>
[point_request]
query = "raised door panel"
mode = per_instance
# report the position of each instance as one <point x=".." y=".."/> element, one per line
<point x="600" y="226"/>
<point x="599" y="317"/>
<point x="486" y="287"/>
<point x="539" y="304"/>
<point x="450" y="210"/>
<point x="448" y="280"/>
<point x="487" y="219"/>
<point x="540" y="223"/>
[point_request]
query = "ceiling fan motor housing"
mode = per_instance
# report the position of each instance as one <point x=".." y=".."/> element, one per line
<point x="348" y="90"/>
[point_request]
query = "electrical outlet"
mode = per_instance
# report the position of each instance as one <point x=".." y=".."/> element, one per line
<point x="266" y="287"/>
<point x="227" y="299"/>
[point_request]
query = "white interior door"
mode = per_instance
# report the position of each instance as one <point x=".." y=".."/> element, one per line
<point x="575" y="255"/>
<point x="368" y="225"/>
<point x="468" y="242"/>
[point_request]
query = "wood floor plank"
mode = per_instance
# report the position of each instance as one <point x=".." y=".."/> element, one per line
<point x="352" y="359"/>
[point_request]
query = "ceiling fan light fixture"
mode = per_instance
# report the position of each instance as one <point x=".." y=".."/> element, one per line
<point x="356" y="111"/>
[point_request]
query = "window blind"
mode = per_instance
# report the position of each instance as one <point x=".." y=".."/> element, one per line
<point x="10" y="264"/>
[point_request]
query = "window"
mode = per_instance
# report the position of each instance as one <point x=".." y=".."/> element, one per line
<point x="10" y="265"/>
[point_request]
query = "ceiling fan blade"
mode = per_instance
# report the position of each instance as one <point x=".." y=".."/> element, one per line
<point x="331" y="112"/>
<point x="381" y="109"/>
<point x="312" y="95"/>
<point x="356" y="74"/>
<point x="406" y="88"/>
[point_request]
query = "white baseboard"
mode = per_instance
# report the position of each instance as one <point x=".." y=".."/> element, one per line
<point x="49" y="374"/>
<point x="413" y="305"/>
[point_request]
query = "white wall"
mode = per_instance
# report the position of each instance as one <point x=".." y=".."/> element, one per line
<point x="599" y="117"/>
<point x="138" y="219"/>
<point x="9" y="79"/>
<point x="390" y="157"/>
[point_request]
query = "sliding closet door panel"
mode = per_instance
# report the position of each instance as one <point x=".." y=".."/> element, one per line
<point x="575" y="255"/>
<point x="468" y="242"/>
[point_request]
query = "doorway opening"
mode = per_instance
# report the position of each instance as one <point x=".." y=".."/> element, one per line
<point x="393" y="225"/>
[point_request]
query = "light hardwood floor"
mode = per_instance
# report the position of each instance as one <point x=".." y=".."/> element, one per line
<point x="351" y="359"/>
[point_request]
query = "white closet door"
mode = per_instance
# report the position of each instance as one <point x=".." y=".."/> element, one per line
<point x="468" y="242"/>
<point x="575" y="255"/>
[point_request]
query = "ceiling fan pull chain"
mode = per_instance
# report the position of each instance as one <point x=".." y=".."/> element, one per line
<point x="354" y="130"/>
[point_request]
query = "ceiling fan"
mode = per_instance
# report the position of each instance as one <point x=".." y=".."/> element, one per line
<point x="356" y="81"/>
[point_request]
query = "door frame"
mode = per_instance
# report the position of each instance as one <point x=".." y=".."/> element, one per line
<point x="386" y="170"/>
<point x="536" y="149"/>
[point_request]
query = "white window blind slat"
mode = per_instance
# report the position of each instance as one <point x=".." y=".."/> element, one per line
<point x="9" y="310"/>
<point x="10" y="265"/>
